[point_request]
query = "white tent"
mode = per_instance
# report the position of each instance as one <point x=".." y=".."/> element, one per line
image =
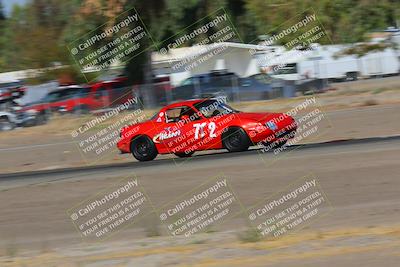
<point x="184" y="62"/>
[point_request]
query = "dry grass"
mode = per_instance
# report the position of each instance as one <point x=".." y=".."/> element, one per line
<point x="370" y="102"/>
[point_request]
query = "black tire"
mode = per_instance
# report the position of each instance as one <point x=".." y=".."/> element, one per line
<point x="235" y="140"/>
<point x="81" y="110"/>
<point x="41" y="119"/>
<point x="143" y="148"/>
<point x="351" y="76"/>
<point x="184" y="155"/>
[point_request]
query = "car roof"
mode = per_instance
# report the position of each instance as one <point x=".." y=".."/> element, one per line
<point x="190" y="102"/>
<point x="112" y="81"/>
<point x="67" y="88"/>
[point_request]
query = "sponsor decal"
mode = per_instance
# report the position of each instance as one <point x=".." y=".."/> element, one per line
<point x="160" y="115"/>
<point x="166" y="134"/>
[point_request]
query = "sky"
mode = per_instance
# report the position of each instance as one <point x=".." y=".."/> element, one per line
<point x="9" y="3"/>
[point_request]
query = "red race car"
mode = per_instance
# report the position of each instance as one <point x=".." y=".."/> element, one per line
<point x="204" y="124"/>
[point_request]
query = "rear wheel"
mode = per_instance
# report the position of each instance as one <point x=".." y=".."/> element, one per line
<point x="184" y="155"/>
<point x="235" y="140"/>
<point x="143" y="149"/>
<point x="6" y="124"/>
<point x="41" y="119"/>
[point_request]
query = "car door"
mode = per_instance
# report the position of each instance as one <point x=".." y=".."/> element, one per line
<point x="100" y="97"/>
<point x="72" y="100"/>
<point x="58" y="99"/>
<point x="214" y="123"/>
<point x="178" y="133"/>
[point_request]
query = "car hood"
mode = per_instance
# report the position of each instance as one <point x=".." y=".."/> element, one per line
<point x="256" y="116"/>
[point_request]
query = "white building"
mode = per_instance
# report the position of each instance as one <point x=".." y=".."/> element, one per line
<point x="182" y="63"/>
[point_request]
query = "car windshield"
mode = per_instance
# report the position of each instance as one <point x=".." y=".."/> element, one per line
<point x="10" y="85"/>
<point x="66" y="93"/>
<point x="212" y="108"/>
<point x="188" y="81"/>
<point x="81" y="92"/>
<point x="51" y="96"/>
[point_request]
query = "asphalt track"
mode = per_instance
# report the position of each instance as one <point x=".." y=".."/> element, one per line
<point x="359" y="177"/>
<point x="343" y="145"/>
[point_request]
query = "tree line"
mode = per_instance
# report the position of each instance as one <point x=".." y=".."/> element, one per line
<point x="36" y="35"/>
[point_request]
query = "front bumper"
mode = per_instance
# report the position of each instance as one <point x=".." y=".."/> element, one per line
<point x="283" y="132"/>
<point x="124" y="146"/>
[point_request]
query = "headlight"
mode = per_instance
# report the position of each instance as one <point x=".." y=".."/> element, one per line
<point x="271" y="125"/>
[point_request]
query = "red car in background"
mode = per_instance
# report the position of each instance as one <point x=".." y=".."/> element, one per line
<point x="83" y="99"/>
<point x="204" y="124"/>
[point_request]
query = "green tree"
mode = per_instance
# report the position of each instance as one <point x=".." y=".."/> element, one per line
<point x="11" y="44"/>
<point x="345" y="21"/>
<point x="31" y="35"/>
<point x="2" y="39"/>
<point x="2" y="16"/>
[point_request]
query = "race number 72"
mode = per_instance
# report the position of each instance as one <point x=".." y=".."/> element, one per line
<point x="199" y="129"/>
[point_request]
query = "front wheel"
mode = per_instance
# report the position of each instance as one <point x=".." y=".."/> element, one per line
<point x="236" y="140"/>
<point x="143" y="149"/>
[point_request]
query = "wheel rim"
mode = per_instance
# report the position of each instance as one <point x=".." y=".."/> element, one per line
<point x="143" y="147"/>
<point x="234" y="140"/>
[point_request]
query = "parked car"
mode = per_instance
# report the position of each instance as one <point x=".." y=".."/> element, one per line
<point x="14" y="118"/>
<point x="64" y="99"/>
<point x="10" y="90"/>
<point x="225" y="83"/>
<point x="8" y="121"/>
<point x="82" y="99"/>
